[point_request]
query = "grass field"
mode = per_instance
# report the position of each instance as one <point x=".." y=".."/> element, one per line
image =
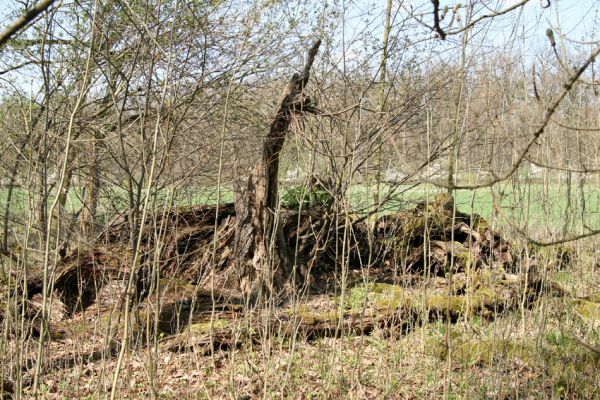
<point x="538" y="205"/>
<point x="535" y="206"/>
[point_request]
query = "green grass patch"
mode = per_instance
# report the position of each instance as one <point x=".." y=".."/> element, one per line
<point x="535" y="205"/>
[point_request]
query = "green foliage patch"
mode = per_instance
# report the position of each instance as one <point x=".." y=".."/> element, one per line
<point x="305" y="196"/>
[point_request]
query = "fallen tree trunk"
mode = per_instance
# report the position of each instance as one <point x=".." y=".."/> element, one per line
<point x="386" y="307"/>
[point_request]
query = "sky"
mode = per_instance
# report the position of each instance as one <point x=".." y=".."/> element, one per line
<point x="577" y="17"/>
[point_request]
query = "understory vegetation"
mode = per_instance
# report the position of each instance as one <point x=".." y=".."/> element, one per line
<point x="306" y="199"/>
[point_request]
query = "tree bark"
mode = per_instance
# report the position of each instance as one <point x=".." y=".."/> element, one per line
<point x="261" y="253"/>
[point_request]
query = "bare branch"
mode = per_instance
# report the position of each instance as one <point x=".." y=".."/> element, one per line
<point x="16" y="67"/>
<point x="436" y="19"/>
<point x="23" y="20"/>
<point x="488" y="16"/>
<point x="583" y="170"/>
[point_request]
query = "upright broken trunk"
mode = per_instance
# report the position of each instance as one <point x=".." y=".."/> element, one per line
<point x="261" y="252"/>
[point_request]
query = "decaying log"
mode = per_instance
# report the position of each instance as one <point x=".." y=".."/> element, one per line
<point x="261" y="252"/>
<point x="395" y="312"/>
<point x="423" y="245"/>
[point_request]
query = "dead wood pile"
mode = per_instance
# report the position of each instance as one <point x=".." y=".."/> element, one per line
<point x="180" y="247"/>
<point x="182" y="244"/>
<point x="435" y="237"/>
<point x="432" y="235"/>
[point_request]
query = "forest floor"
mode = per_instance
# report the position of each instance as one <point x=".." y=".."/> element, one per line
<point x="549" y="350"/>
<point x="505" y="325"/>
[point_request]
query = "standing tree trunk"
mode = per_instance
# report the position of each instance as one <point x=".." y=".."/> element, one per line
<point x="262" y="256"/>
<point x="93" y="186"/>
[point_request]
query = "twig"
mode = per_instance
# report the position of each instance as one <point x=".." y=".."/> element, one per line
<point x="487" y="16"/>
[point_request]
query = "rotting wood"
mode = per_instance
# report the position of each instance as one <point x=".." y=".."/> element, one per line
<point x="262" y="255"/>
<point x="185" y="248"/>
<point x="394" y="314"/>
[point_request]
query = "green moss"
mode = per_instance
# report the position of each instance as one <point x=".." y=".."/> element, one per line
<point x="389" y="305"/>
<point x="481" y="302"/>
<point x="488" y="352"/>
<point x="308" y="316"/>
<point x="389" y="298"/>
<point x="311" y="317"/>
<point x="329" y="316"/>
<point x="594" y="298"/>
<point x="588" y="311"/>
<point x="442" y="303"/>
<point x="466" y="351"/>
<point x="572" y="369"/>
<point x="490" y="279"/>
<point x="384" y="288"/>
<point x="562" y="277"/>
<point x="564" y="280"/>
<point x="381" y="295"/>
<point x="206" y="327"/>
<point x="479" y="223"/>
<point x="486" y="293"/>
